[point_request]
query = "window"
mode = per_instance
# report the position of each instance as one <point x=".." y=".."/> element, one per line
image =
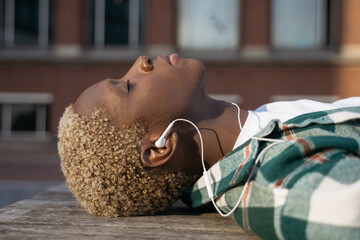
<point x="300" y="24"/>
<point x="25" y="23"/>
<point x="116" y="23"/>
<point x="208" y="24"/>
<point x="24" y="114"/>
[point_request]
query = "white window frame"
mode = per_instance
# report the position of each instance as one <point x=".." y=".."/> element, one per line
<point x="279" y="37"/>
<point x="184" y="40"/>
<point x="9" y="100"/>
<point x="43" y="24"/>
<point x="99" y="23"/>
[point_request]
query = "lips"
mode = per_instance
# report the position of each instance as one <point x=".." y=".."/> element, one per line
<point x="170" y="59"/>
<point x="173" y="57"/>
<point x="166" y="58"/>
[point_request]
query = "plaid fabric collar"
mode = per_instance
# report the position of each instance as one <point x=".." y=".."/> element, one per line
<point x="234" y="168"/>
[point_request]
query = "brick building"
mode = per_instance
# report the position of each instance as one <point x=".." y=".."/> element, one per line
<point x="254" y="51"/>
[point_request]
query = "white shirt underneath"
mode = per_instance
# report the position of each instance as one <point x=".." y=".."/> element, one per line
<point x="285" y="110"/>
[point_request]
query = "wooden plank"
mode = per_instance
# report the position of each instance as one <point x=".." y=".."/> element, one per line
<point x="54" y="214"/>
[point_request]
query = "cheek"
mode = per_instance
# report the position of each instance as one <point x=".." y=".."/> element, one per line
<point x="162" y="103"/>
<point x="168" y="94"/>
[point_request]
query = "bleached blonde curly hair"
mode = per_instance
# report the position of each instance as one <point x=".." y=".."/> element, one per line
<point x="102" y="166"/>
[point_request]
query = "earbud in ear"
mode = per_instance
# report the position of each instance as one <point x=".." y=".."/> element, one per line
<point x="160" y="143"/>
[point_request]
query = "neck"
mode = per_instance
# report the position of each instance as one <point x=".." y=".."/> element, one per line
<point x="219" y="126"/>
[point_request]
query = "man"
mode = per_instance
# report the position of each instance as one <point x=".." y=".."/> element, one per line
<point x="114" y="168"/>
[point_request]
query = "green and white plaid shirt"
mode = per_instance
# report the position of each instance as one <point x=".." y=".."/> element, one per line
<point x="307" y="187"/>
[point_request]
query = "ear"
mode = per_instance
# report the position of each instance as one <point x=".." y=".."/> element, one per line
<point x="152" y="156"/>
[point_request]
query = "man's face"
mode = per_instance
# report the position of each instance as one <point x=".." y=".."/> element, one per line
<point x="164" y="88"/>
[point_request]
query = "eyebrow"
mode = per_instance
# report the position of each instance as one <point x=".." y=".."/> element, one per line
<point x="113" y="82"/>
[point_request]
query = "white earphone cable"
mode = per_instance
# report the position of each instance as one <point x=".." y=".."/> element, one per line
<point x="161" y="142"/>
<point x="201" y="139"/>
<point x="251" y="173"/>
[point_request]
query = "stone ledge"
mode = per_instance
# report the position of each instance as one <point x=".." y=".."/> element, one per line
<point x="54" y="214"/>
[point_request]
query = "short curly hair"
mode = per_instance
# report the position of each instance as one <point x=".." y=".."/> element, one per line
<point x="102" y="166"/>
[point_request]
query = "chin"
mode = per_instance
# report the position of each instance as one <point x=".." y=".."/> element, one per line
<point x="199" y="73"/>
<point x="198" y="67"/>
<point x="202" y="72"/>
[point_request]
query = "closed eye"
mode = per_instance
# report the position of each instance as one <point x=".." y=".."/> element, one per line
<point x="128" y="85"/>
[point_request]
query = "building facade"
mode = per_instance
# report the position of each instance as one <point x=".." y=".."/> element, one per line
<point x="254" y="51"/>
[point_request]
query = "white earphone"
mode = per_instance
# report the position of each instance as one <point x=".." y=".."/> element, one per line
<point x="160" y="143"/>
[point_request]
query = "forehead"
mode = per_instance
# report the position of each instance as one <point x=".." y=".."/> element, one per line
<point x="101" y="97"/>
<point x="90" y="99"/>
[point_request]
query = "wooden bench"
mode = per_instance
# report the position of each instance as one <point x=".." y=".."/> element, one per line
<point x="55" y="214"/>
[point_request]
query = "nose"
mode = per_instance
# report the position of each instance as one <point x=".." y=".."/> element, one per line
<point x="146" y="64"/>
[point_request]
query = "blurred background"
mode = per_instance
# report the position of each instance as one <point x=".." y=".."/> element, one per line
<point x="255" y="51"/>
